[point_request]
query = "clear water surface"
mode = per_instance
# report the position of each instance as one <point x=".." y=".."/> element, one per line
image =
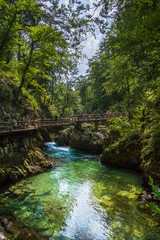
<point x="80" y="200"/>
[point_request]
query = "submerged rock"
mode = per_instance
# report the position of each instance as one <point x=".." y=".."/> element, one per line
<point x="17" y="231"/>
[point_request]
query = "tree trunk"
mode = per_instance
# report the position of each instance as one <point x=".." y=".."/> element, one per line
<point x="129" y="107"/>
<point x="19" y="48"/>
<point x="9" y="56"/>
<point x="26" y="68"/>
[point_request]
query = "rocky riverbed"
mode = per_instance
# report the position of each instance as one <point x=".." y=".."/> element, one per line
<point x="17" y="231"/>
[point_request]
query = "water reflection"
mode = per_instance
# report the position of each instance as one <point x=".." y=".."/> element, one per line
<point x="80" y="200"/>
<point x="84" y="222"/>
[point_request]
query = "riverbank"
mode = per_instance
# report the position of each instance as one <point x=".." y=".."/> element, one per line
<point x="125" y="153"/>
<point x="117" y="147"/>
<point x="23" y="155"/>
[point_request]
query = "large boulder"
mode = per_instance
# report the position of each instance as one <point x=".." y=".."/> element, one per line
<point x="87" y="140"/>
<point x="35" y="162"/>
<point x="82" y="138"/>
<point x="123" y="153"/>
<point x="63" y="137"/>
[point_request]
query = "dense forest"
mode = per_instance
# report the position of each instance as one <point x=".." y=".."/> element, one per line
<point x="41" y="46"/>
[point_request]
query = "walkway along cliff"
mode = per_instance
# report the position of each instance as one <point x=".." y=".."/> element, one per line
<point x="21" y="146"/>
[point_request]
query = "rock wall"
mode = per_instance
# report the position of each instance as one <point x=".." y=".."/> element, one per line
<point x="125" y="153"/>
<point x="21" y="154"/>
<point x="82" y="138"/>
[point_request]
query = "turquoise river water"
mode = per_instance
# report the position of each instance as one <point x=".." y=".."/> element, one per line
<point x="80" y="200"/>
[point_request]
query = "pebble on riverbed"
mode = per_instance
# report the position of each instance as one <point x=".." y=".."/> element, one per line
<point x="17" y="231"/>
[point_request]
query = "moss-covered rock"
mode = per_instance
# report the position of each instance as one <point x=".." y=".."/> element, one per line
<point x="21" y="155"/>
<point x="125" y="153"/>
<point x="82" y="138"/>
<point x="63" y="136"/>
<point x="35" y="162"/>
<point x="87" y="140"/>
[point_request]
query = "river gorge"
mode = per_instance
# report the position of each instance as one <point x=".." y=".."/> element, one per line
<point x="79" y="199"/>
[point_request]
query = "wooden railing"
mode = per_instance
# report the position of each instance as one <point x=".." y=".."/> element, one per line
<point x="23" y="125"/>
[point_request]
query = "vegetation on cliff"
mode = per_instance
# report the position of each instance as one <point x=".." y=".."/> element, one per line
<point x="124" y="76"/>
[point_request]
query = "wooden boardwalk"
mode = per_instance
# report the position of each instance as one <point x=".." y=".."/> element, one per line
<point x="13" y="126"/>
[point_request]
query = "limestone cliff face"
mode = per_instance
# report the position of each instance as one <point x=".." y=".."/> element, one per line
<point x="21" y="154"/>
<point x="83" y="138"/>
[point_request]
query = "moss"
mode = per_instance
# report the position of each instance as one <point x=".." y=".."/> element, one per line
<point x="20" y="171"/>
<point x="125" y="152"/>
<point x="26" y="165"/>
<point x="2" y="171"/>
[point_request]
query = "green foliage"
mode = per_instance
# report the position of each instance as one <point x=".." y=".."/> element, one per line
<point x="123" y="127"/>
<point x="156" y="192"/>
<point x="30" y="100"/>
<point x="151" y="141"/>
<point x="98" y="73"/>
<point x="154" y="208"/>
<point x="6" y="92"/>
<point x="155" y="188"/>
<point x="2" y="171"/>
<point x="90" y="126"/>
<point x="84" y="90"/>
<point x="121" y="134"/>
<point x="126" y="67"/>
<point x="38" y="50"/>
